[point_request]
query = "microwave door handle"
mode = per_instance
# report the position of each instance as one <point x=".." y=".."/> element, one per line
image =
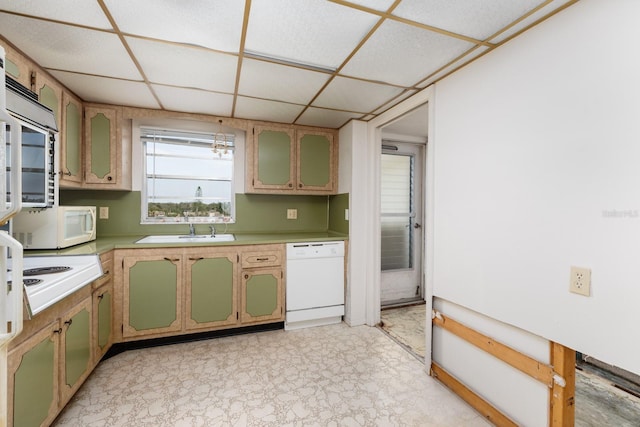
<point x="15" y="203"/>
<point x="93" y="221"/>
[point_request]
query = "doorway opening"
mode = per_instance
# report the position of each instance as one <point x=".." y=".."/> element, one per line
<point x="401" y="242"/>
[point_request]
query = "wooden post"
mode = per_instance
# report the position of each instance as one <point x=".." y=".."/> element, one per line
<point x="562" y="399"/>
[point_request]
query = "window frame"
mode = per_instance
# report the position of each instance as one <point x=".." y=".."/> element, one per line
<point x="147" y="220"/>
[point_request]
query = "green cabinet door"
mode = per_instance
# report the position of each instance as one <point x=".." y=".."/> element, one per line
<point x="33" y="370"/>
<point x="71" y="140"/>
<point x="211" y="291"/>
<point x="315" y="161"/>
<point x="76" y="340"/>
<point x="100" y="140"/>
<point x="103" y="306"/>
<point x="273" y="158"/>
<point x="262" y="295"/>
<point x="152" y="302"/>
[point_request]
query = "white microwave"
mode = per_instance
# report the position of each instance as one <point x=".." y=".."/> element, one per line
<point x="56" y="227"/>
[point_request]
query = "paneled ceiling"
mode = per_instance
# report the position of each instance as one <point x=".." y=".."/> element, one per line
<point x="310" y="62"/>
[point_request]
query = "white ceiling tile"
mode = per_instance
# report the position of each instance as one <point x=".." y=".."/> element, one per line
<point x="326" y="118"/>
<point x="107" y="91"/>
<point x="261" y="109"/>
<point x="464" y="60"/>
<point x="80" y="12"/>
<point x="279" y="82"/>
<point x="421" y="53"/>
<point x="188" y="66"/>
<point x="472" y="18"/>
<point x="355" y="95"/>
<point x="394" y="101"/>
<point x="312" y="31"/>
<point x="194" y="100"/>
<point x="380" y="5"/>
<point x="68" y="48"/>
<point x="529" y="20"/>
<point x="214" y="24"/>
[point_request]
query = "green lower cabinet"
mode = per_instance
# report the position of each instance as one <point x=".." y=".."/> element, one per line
<point x="33" y="370"/>
<point x="76" y="349"/>
<point x="152" y="302"/>
<point x="103" y="306"/>
<point x="262" y="295"/>
<point x="211" y="290"/>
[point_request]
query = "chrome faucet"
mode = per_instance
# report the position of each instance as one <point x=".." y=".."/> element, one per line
<point x="213" y="231"/>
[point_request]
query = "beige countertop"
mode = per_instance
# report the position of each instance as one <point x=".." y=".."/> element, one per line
<point x="105" y="244"/>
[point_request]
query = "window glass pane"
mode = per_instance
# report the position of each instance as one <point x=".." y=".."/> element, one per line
<point x="187" y="176"/>
<point x="396" y="207"/>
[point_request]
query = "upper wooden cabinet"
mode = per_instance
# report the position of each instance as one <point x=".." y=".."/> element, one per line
<point x="286" y="160"/>
<point x="17" y="66"/>
<point x="107" y="148"/>
<point x="70" y="158"/>
<point x="49" y="94"/>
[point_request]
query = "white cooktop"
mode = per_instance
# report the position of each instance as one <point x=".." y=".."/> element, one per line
<point x="55" y="286"/>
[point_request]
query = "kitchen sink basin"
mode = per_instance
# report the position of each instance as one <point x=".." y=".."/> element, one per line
<point x="186" y="238"/>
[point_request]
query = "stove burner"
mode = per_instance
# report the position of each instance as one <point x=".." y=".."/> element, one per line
<point x="45" y="270"/>
<point x="31" y="282"/>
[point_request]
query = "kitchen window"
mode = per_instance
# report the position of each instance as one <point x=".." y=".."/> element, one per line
<point x="188" y="176"/>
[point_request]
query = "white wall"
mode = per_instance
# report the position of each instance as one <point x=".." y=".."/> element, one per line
<point x="351" y="173"/>
<point x="537" y="168"/>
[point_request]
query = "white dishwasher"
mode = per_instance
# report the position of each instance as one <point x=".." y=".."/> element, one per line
<point x="315" y="284"/>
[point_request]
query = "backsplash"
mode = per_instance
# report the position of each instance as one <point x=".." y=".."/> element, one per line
<point x="255" y="213"/>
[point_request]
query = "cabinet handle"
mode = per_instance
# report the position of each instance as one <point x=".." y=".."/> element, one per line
<point x="104" y="275"/>
<point x="195" y="259"/>
<point x="100" y="296"/>
<point x="246" y="276"/>
<point x="171" y="260"/>
<point x="109" y="178"/>
<point x="300" y="185"/>
<point x="262" y="259"/>
<point x="57" y="331"/>
<point x="68" y="173"/>
<point x="290" y="185"/>
<point x="68" y="322"/>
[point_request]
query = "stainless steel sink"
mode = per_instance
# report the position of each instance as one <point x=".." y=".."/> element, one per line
<point x="186" y="238"/>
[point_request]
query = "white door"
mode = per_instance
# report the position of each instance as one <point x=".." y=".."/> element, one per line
<point x="401" y="222"/>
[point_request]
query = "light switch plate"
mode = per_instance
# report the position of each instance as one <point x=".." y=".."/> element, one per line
<point x="580" y="281"/>
<point x="104" y="212"/>
<point x="292" y="213"/>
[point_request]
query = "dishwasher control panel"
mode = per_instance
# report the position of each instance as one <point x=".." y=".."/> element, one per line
<point x="315" y="250"/>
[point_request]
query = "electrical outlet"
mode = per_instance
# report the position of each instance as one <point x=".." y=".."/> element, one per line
<point x="580" y="281"/>
<point x="292" y="213"/>
<point x="104" y="212"/>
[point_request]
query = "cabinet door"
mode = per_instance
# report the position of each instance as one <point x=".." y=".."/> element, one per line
<point x="262" y="295"/>
<point x="71" y="142"/>
<point x="273" y="159"/>
<point x="49" y="94"/>
<point x="101" y="145"/>
<point x="152" y="300"/>
<point x="17" y="66"/>
<point x="315" y="161"/>
<point x="102" y="317"/>
<point x="76" y="349"/>
<point x="33" y="379"/>
<point x="211" y="289"/>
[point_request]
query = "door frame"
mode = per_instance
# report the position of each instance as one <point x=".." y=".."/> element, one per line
<point x="372" y="225"/>
<point x="417" y="151"/>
